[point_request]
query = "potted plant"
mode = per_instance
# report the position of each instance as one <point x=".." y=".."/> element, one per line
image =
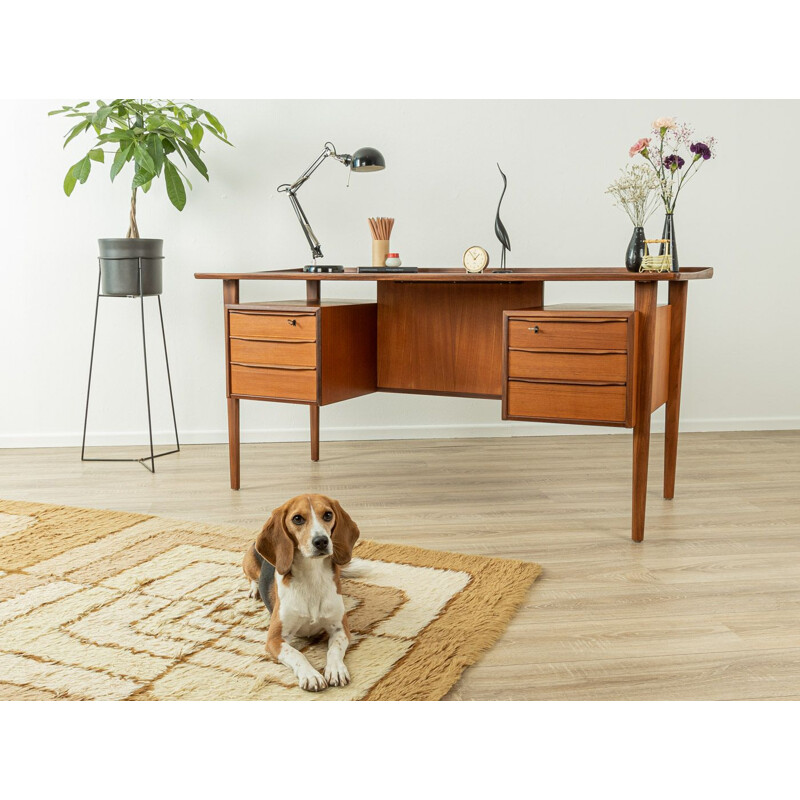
<point x="149" y="135"/>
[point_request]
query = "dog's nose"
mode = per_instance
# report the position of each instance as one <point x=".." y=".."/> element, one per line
<point x="320" y="542"/>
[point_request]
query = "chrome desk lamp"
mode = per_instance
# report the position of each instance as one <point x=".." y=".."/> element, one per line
<point x="365" y="159"/>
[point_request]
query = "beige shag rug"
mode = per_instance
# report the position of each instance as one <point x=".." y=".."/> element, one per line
<point x="108" y="605"/>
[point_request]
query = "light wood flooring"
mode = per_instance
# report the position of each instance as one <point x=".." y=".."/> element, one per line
<point x="707" y="607"/>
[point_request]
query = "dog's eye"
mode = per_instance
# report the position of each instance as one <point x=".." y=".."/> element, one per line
<point x="327" y="516"/>
<point x="298" y="519"/>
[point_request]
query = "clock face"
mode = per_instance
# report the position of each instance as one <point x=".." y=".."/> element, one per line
<point x="476" y="259"/>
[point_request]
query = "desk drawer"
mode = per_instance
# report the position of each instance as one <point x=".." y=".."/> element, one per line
<point x="581" y="334"/>
<point x="567" y="402"/>
<point x="273" y="326"/>
<point x="274" y="354"/>
<point x="610" y="367"/>
<point x="288" y="384"/>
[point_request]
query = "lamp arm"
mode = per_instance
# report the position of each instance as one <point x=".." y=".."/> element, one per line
<point x="291" y="190"/>
<point x="328" y="150"/>
<point x="313" y="242"/>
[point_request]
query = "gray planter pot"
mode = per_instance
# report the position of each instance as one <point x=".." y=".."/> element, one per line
<point x="119" y="266"/>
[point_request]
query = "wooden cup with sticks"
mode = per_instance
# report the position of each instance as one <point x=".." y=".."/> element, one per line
<point x="381" y="228"/>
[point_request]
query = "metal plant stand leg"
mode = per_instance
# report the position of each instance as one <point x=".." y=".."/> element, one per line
<point x="169" y="379"/>
<point x="91" y="363"/>
<point x="152" y="466"/>
<point x="153" y="455"/>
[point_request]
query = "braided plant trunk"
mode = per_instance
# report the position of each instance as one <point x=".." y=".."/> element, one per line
<point x="133" y="228"/>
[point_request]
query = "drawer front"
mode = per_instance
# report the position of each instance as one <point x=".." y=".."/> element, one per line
<point x="276" y="354"/>
<point x="568" y="366"/>
<point x="581" y="334"/>
<point x="291" y="384"/>
<point x="273" y="326"/>
<point x="567" y="402"/>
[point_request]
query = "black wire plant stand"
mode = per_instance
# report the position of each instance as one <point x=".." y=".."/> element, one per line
<point x="153" y="455"/>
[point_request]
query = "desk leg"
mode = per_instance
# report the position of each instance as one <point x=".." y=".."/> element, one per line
<point x="314" y="411"/>
<point x="230" y="295"/>
<point x="677" y="300"/>
<point x="313" y="295"/>
<point x="645" y="304"/>
<point x="233" y="440"/>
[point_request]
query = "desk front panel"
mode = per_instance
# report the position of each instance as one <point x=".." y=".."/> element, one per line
<point x="569" y="366"/>
<point x="275" y="384"/>
<point x="580" y="334"/>
<point x="273" y="354"/>
<point x="273" y="326"/>
<point x="596" y="405"/>
<point x="446" y="338"/>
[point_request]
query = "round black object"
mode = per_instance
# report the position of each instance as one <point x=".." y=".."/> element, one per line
<point x="367" y="159"/>
<point x="119" y="266"/>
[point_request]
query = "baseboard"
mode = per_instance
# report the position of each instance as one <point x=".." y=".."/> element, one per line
<point x="340" y="434"/>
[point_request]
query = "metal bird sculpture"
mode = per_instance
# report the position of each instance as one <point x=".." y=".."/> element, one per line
<point x="500" y="229"/>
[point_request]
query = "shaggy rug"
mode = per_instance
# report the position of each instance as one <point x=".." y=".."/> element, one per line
<point x="108" y="605"/>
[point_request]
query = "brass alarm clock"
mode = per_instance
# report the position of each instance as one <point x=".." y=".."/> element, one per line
<point x="476" y="259"/>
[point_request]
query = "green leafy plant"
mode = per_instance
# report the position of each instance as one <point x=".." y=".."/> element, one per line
<point x="148" y="134"/>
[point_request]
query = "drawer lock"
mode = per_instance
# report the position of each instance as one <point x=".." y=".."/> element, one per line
<point x="292" y="321"/>
<point x="535" y="329"/>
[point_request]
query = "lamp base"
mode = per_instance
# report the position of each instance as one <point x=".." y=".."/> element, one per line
<point x="323" y="268"/>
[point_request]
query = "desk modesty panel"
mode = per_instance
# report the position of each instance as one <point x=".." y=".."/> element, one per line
<point x="447" y="332"/>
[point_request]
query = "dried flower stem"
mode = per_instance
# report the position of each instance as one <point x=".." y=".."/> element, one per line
<point x="635" y="193"/>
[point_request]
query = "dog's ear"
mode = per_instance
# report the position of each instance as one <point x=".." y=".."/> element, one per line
<point x="274" y="543"/>
<point x="344" y="535"/>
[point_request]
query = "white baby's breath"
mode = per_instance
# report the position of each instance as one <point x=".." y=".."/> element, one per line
<point x="635" y="192"/>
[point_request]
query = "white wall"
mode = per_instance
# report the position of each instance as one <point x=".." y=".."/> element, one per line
<point x="442" y="186"/>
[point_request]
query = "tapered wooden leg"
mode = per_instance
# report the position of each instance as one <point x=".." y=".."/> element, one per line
<point x="677" y="300"/>
<point x="645" y="304"/>
<point x="230" y="296"/>
<point x="233" y="440"/>
<point x="314" y="410"/>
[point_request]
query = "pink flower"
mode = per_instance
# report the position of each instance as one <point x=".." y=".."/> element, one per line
<point x="642" y="144"/>
<point x="664" y="122"/>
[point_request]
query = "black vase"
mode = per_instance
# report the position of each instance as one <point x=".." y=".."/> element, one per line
<point x="635" y="252"/>
<point x="669" y="233"/>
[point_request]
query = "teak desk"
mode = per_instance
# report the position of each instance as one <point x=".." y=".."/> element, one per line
<point x="445" y="332"/>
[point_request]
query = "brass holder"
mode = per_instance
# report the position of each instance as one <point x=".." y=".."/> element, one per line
<point x="661" y="263"/>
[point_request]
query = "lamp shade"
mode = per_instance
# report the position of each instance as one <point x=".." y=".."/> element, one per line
<point x="367" y="159"/>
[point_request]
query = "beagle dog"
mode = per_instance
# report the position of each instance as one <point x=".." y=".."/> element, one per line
<point x="294" y="566"/>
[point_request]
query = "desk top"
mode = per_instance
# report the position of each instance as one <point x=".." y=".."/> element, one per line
<point x="458" y="275"/>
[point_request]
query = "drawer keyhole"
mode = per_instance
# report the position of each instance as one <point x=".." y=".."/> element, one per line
<point x="292" y="321"/>
<point x="535" y="329"/>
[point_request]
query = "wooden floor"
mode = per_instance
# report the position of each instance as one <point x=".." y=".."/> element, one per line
<point x="708" y="607"/>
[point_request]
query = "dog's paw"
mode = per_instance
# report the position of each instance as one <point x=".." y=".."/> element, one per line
<point x="336" y="674"/>
<point x="310" y="680"/>
<point x="253" y="593"/>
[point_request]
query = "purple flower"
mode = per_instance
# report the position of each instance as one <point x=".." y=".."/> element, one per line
<point x="700" y="149"/>
<point x="674" y="162"/>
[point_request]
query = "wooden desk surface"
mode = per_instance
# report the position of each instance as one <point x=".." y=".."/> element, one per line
<point x="458" y="275"/>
